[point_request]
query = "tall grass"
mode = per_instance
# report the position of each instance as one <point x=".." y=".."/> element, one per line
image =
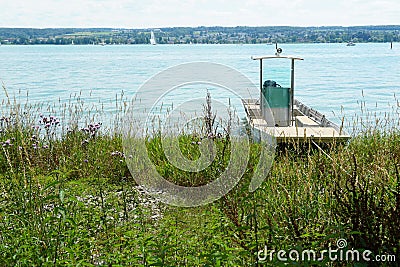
<point x="68" y="198"/>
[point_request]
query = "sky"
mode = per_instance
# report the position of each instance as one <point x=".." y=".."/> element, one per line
<point x="171" y="13"/>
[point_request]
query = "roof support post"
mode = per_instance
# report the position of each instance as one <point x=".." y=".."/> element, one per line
<point x="292" y="92"/>
<point x="261" y="81"/>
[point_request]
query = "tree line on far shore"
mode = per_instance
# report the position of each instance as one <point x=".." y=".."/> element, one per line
<point x="203" y="35"/>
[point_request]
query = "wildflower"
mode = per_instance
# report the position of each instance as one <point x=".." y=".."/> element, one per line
<point x="45" y="146"/>
<point x="7" y="143"/>
<point x="118" y="154"/>
<point x="48" y="121"/>
<point x="85" y="160"/>
<point x="85" y="142"/>
<point x="92" y="129"/>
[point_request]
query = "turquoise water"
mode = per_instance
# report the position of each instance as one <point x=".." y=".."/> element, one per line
<point x="333" y="78"/>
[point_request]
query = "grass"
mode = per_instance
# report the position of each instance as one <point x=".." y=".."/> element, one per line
<point x="68" y="198"/>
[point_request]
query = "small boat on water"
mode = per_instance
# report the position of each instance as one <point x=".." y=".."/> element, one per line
<point x="278" y="114"/>
<point x="350" y="44"/>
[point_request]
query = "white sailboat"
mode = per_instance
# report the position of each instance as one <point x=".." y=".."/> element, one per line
<point x="152" y="39"/>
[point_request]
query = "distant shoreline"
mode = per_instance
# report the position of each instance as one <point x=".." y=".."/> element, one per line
<point x="201" y="35"/>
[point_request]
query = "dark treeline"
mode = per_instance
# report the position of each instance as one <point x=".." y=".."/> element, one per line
<point x="205" y="35"/>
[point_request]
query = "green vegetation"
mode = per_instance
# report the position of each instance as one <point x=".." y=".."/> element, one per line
<point x="202" y="35"/>
<point x="67" y="198"/>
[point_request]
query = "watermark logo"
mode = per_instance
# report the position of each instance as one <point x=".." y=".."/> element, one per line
<point x="171" y="103"/>
<point x="342" y="253"/>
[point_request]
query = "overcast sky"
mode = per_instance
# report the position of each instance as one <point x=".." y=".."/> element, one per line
<point x="169" y="13"/>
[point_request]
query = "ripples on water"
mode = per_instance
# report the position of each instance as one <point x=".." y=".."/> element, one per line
<point x="333" y="78"/>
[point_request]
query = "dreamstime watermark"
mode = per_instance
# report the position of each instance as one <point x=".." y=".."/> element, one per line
<point x="171" y="103"/>
<point x="341" y="253"/>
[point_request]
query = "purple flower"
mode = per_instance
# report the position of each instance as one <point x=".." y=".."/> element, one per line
<point x="7" y="143"/>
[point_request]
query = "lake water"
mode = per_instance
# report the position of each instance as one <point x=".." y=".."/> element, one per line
<point x="333" y="78"/>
